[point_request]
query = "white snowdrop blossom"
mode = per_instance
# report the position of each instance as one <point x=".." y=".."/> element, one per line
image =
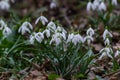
<point x="107" y="42"/>
<point x="39" y="37"/>
<point x="96" y="4"/>
<point x="102" y="6"/>
<point x="114" y="2"/>
<point x="117" y="53"/>
<point x="77" y="39"/>
<point x="106" y="52"/>
<point x="53" y="4"/>
<point x="6" y="31"/>
<point x="51" y="25"/>
<point x="90" y="32"/>
<point x="106" y="34"/>
<point x="32" y="38"/>
<point x="88" y="39"/>
<point x="57" y="38"/>
<point x="47" y="32"/>
<point x="26" y="27"/>
<point x="4" y="5"/>
<point x="89" y="6"/>
<point x="70" y="37"/>
<point x="60" y="29"/>
<point x="42" y="19"/>
<point x="2" y="24"/>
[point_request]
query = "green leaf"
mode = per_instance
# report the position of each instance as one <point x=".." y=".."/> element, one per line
<point x="53" y="76"/>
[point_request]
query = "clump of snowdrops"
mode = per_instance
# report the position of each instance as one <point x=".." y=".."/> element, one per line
<point x="22" y="44"/>
<point x="69" y="53"/>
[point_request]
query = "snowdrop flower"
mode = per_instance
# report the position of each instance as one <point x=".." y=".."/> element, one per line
<point x="39" y="37"/>
<point x="70" y="37"/>
<point x="51" y="25"/>
<point x="42" y="19"/>
<point x="106" y="34"/>
<point x="89" y="6"/>
<point x="102" y="6"/>
<point x="77" y="39"/>
<point x="88" y="39"/>
<point x="96" y="4"/>
<point x="2" y="24"/>
<point x="107" y="42"/>
<point x="114" y="2"/>
<point x="117" y="53"/>
<point x="6" y="31"/>
<point x="53" y="5"/>
<point x="90" y="32"/>
<point x="47" y="32"/>
<point x="4" y="5"/>
<point x="32" y="38"/>
<point x="60" y="29"/>
<point x="106" y="52"/>
<point x="57" y="38"/>
<point x="26" y="26"/>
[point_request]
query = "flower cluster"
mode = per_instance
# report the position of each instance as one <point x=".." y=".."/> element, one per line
<point x="99" y="5"/>
<point x="90" y="32"/>
<point x="55" y="33"/>
<point x="107" y="51"/>
<point x="106" y="36"/>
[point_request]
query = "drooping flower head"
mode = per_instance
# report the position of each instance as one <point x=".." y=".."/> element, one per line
<point x="57" y="38"/>
<point x="89" y="39"/>
<point x="114" y="2"/>
<point x="39" y="37"/>
<point x="96" y="4"/>
<point x="106" y="52"/>
<point x="47" y="32"/>
<point x="4" y="5"/>
<point x="107" y="42"/>
<point x="106" y="34"/>
<point x="42" y="19"/>
<point x="90" y="32"/>
<point x="26" y="27"/>
<point x="89" y="6"/>
<point x="53" y="4"/>
<point x="102" y="6"/>
<point x="75" y="38"/>
<point x="51" y="26"/>
<point x="6" y="31"/>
